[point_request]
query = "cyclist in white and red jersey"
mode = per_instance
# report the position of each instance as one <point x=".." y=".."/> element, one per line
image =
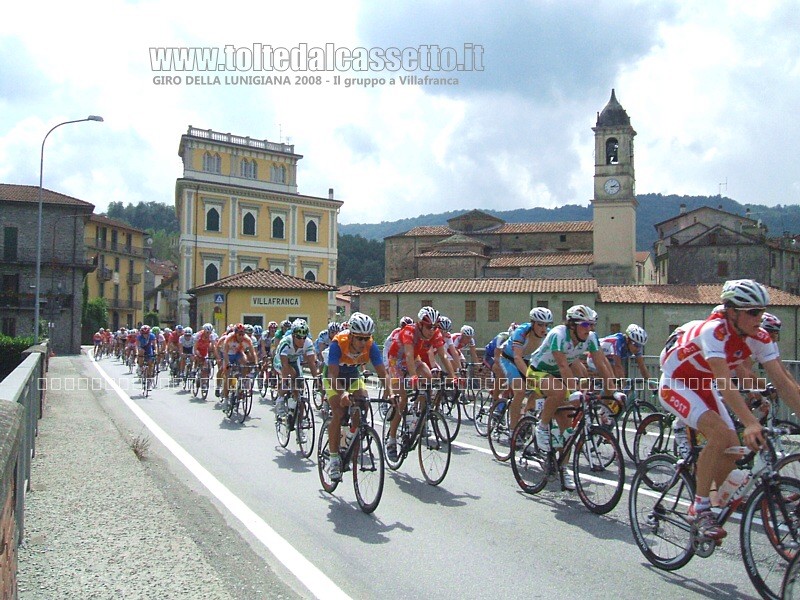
<point x="445" y="326"/>
<point x="466" y="339"/>
<point x="696" y="385"/>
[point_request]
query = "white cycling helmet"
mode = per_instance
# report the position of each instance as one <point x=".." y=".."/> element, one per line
<point x="208" y="327"/>
<point x="581" y="312"/>
<point x="361" y="324"/>
<point x="445" y="323"/>
<point x="744" y="293"/>
<point x="636" y="334"/>
<point x="300" y="327"/>
<point x="428" y="314"/>
<point x="540" y="314"/>
<point x="770" y="322"/>
<point x="187" y="331"/>
<point x="467" y="330"/>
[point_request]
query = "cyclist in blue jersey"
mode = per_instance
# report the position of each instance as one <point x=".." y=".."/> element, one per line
<point x="619" y="347"/>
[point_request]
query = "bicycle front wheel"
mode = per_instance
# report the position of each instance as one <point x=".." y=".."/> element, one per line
<point x="368" y="470"/>
<point x="434" y="448"/>
<point x="631" y="420"/>
<point x="401" y="435"/>
<point x="305" y="428"/>
<point x="481" y="405"/>
<point x="657" y="506"/>
<point x="653" y="436"/>
<point x="769" y="534"/>
<point x="282" y="429"/>
<point x="599" y="470"/>
<point x="324" y="459"/>
<point x="451" y="410"/>
<point x="530" y="466"/>
<point x="500" y="436"/>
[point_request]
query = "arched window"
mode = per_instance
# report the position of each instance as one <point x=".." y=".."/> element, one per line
<point x="278" y="271"/>
<point x="249" y="224"/>
<point x="212" y="274"/>
<point x="247" y="168"/>
<point x="212" y="163"/>
<point x="612" y="151"/>
<point x="311" y="231"/>
<point x="212" y="220"/>
<point x="310" y="276"/>
<point x="277" y="228"/>
<point x="247" y="268"/>
<point x="278" y="174"/>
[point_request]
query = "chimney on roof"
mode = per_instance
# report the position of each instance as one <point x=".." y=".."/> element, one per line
<point x="747" y="212"/>
<point x="683" y="208"/>
<point x="330" y="193"/>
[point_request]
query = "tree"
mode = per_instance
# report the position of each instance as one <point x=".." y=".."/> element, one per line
<point x="151" y="318"/>
<point x="96" y="314"/>
<point x="361" y="261"/>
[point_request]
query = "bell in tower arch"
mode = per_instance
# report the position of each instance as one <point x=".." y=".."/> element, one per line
<point x="612" y="151"/>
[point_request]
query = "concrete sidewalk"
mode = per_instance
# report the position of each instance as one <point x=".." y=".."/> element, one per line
<point x="100" y="523"/>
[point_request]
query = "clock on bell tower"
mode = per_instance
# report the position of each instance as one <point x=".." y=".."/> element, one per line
<point x="614" y="202"/>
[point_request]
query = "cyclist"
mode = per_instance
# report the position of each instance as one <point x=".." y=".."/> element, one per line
<point x="186" y="346"/>
<point x="236" y="346"/>
<point x="130" y="344"/>
<point x="466" y="339"/>
<point x="98" y="342"/>
<point x="491" y="359"/>
<point x="555" y="369"/>
<point x="146" y="345"/>
<point x="203" y="345"/>
<point x="453" y="355"/>
<point x="342" y="379"/>
<point x="293" y="348"/>
<point x="324" y="340"/>
<point x="618" y="347"/>
<point x="696" y="385"/>
<point x="523" y="340"/>
<point x="160" y="342"/>
<point x="407" y="358"/>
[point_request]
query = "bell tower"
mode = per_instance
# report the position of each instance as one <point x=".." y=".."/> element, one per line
<point x="614" y="202"/>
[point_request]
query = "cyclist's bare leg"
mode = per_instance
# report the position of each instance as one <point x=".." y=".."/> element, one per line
<point x="714" y="465"/>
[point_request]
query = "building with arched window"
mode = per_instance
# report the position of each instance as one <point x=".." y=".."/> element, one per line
<point x="239" y="210"/>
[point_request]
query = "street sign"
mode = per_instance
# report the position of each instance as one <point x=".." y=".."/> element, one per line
<point x="219" y="299"/>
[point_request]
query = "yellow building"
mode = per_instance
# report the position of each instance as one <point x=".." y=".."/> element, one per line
<point x="239" y="210"/>
<point x="119" y="252"/>
<point x="260" y="296"/>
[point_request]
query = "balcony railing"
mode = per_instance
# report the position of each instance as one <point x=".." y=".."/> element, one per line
<point x="101" y="244"/>
<point x="120" y="304"/>
<point x="27" y="300"/>
<point x="104" y="273"/>
<point x="169" y="295"/>
<point x="228" y="138"/>
<point x="134" y="278"/>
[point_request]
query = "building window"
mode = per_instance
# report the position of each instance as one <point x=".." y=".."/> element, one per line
<point x="309" y="276"/>
<point x="384" y="310"/>
<point x="212" y="163"/>
<point x="212" y="273"/>
<point x="470" y="310"/>
<point x="494" y="310"/>
<point x="564" y="307"/>
<point x="722" y="268"/>
<point x="248" y="169"/>
<point x="615" y="327"/>
<point x="9" y="326"/>
<point x="253" y="320"/>
<point x="277" y="174"/>
<point x="426" y="303"/>
<point x="249" y="224"/>
<point x="277" y="228"/>
<point x="116" y="264"/>
<point x="10" y="243"/>
<point x="772" y="261"/>
<point x="612" y="151"/>
<point x="543" y="303"/>
<point x="101" y="289"/>
<point x="562" y="237"/>
<point x="311" y="231"/>
<point x="212" y="219"/>
<point x="247" y="268"/>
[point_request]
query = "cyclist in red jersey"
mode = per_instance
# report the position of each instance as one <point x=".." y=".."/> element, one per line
<point x="408" y="357"/>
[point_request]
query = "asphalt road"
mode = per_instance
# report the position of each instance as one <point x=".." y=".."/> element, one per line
<point x="474" y="536"/>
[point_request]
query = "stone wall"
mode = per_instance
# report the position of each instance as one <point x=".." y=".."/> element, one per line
<point x="10" y="436"/>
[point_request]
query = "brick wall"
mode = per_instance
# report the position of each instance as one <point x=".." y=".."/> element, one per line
<point x="11" y="426"/>
<point x="8" y="547"/>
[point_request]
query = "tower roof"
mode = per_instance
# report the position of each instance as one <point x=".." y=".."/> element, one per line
<point x="613" y="115"/>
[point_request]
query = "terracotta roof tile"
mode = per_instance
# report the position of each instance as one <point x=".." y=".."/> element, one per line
<point x="445" y="253"/>
<point x="484" y="286"/>
<point x="541" y="259"/>
<point x="161" y="267"/>
<point x="115" y="223"/>
<point x="263" y="278"/>
<point x="703" y="293"/>
<point x="11" y="192"/>
<point x="642" y="256"/>
<point x="544" y="227"/>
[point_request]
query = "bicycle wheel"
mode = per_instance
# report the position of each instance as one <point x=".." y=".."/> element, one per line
<point x="791" y="581"/>
<point x="466" y="399"/>
<point x="657" y="506"/>
<point x="653" y="436"/>
<point x="788" y="443"/>
<point x="433" y="448"/>
<point x="402" y="434"/>
<point x="324" y="459"/>
<point x="769" y="534"/>
<point x="481" y="404"/>
<point x="282" y="429"/>
<point x="204" y="383"/>
<point x="531" y="467"/>
<point x="263" y="384"/>
<point x="304" y="426"/>
<point x="500" y="436"/>
<point x="631" y="420"/>
<point x="368" y="470"/>
<point x="195" y="386"/>
<point x="599" y="470"/>
<point x="317" y="394"/>
<point x="450" y="408"/>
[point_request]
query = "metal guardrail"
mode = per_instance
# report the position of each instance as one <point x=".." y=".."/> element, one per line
<point x="22" y="386"/>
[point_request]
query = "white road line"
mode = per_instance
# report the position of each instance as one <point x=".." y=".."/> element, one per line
<point x="307" y="573"/>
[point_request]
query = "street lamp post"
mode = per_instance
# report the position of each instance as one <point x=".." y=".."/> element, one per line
<point x="39" y="226"/>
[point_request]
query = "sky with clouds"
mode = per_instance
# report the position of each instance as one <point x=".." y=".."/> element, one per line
<point x="712" y="88"/>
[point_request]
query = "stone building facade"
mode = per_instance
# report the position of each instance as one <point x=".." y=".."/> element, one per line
<point x="63" y="263"/>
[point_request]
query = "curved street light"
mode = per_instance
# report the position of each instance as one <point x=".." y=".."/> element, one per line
<point x="39" y="225"/>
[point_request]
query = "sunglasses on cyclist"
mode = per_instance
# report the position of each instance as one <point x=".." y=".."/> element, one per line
<point x="753" y="312"/>
<point x="299" y="337"/>
<point x="586" y="324"/>
<point x="362" y="338"/>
